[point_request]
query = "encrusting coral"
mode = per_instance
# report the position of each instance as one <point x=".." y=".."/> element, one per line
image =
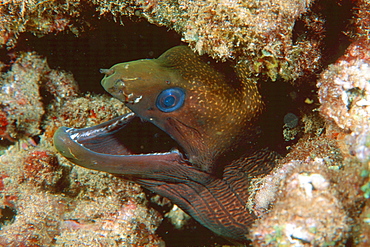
<point x="326" y="170"/>
<point x="344" y="93"/>
<point x="310" y="197"/>
<point x="317" y="196"/>
<point x="294" y="218"/>
<point x="38" y="17"/>
<point x="258" y="33"/>
<point x="69" y="206"/>
<point x="20" y="101"/>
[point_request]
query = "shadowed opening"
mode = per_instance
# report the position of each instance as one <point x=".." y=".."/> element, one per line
<point x="135" y="137"/>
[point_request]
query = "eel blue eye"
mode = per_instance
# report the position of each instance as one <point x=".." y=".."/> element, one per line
<point x="170" y="99"/>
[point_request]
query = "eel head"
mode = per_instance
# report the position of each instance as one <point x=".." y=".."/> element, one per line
<point x="188" y="99"/>
<point x="206" y="111"/>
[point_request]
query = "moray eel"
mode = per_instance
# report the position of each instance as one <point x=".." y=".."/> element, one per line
<point x="209" y="113"/>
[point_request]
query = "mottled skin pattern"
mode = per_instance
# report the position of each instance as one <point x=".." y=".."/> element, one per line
<point x="217" y="116"/>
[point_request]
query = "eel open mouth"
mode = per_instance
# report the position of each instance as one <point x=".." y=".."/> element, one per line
<point x="103" y="147"/>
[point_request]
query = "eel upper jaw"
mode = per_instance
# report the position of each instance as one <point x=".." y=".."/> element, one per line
<point x="96" y="148"/>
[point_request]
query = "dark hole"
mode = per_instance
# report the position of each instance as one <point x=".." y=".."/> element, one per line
<point x="192" y="234"/>
<point x="107" y="44"/>
<point x="7" y="215"/>
<point x="143" y="137"/>
<point x="278" y="103"/>
<point x="337" y="16"/>
<point x="336" y="40"/>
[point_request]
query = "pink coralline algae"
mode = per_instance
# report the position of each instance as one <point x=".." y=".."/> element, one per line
<point x="3" y="125"/>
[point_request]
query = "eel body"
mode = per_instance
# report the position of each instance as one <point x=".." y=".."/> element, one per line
<point x="208" y="112"/>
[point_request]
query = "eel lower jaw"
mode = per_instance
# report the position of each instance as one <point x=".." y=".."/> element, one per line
<point x="99" y="148"/>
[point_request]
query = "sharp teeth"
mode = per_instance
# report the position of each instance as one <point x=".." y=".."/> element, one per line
<point x="174" y="150"/>
<point x="74" y="136"/>
<point x="151" y="154"/>
<point x="137" y="100"/>
<point x="130" y="78"/>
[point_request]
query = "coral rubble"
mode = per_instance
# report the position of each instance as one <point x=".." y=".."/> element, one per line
<point x="22" y="106"/>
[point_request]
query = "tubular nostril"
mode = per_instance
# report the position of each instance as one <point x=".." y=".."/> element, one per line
<point x="106" y="72"/>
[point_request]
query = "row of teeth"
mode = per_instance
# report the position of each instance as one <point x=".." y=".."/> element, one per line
<point x="75" y="134"/>
<point x="121" y="83"/>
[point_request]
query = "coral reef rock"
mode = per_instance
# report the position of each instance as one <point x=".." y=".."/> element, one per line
<point x="44" y="200"/>
<point x="344" y="94"/>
